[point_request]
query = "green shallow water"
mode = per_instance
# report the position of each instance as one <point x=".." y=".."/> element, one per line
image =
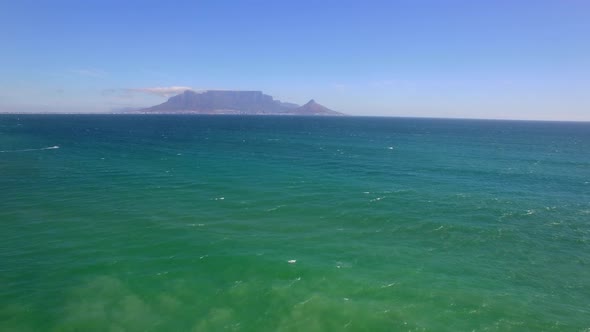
<point x="187" y="223"/>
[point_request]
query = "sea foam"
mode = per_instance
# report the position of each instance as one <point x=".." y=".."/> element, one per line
<point x="27" y="150"/>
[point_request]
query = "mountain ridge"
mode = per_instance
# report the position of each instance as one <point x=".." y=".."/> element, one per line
<point x="234" y="102"/>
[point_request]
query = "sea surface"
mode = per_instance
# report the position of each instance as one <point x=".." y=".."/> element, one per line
<point x="250" y="223"/>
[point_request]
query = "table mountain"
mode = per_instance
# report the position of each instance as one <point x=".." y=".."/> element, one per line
<point x="234" y="102"/>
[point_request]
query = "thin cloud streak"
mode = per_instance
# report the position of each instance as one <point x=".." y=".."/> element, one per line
<point x="162" y="91"/>
<point x="89" y="72"/>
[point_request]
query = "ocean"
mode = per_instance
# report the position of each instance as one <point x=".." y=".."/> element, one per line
<point x="253" y="223"/>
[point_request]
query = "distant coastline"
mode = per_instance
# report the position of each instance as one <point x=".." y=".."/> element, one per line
<point x="231" y="102"/>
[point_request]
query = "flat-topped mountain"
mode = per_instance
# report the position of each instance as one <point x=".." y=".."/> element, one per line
<point x="234" y="102"/>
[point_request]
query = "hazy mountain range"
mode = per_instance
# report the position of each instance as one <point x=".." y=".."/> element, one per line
<point x="233" y="102"/>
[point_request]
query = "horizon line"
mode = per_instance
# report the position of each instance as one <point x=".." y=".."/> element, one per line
<point x="291" y="115"/>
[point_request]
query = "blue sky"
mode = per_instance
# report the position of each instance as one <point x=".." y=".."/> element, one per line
<point x="468" y="59"/>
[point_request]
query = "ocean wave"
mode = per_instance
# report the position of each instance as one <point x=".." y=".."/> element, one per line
<point x="27" y="150"/>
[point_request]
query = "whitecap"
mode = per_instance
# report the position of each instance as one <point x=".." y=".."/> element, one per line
<point x="26" y="150"/>
<point x="389" y="285"/>
<point x="342" y="265"/>
<point x="274" y="208"/>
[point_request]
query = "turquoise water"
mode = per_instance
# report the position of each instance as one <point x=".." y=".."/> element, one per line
<point x="188" y="223"/>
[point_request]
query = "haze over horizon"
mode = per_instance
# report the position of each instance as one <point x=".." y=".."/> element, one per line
<point x="458" y="59"/>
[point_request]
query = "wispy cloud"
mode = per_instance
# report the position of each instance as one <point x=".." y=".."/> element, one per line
<point x="131" y="93"/>
<point x="162" y="91"/>
<point x="340" y="86"/>
<point x="89" y="72"/>
<point x="385" y="83"/>
<point x="365" y="84"/>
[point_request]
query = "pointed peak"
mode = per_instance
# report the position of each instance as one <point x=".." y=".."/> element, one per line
<point x="313" y="108"/>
